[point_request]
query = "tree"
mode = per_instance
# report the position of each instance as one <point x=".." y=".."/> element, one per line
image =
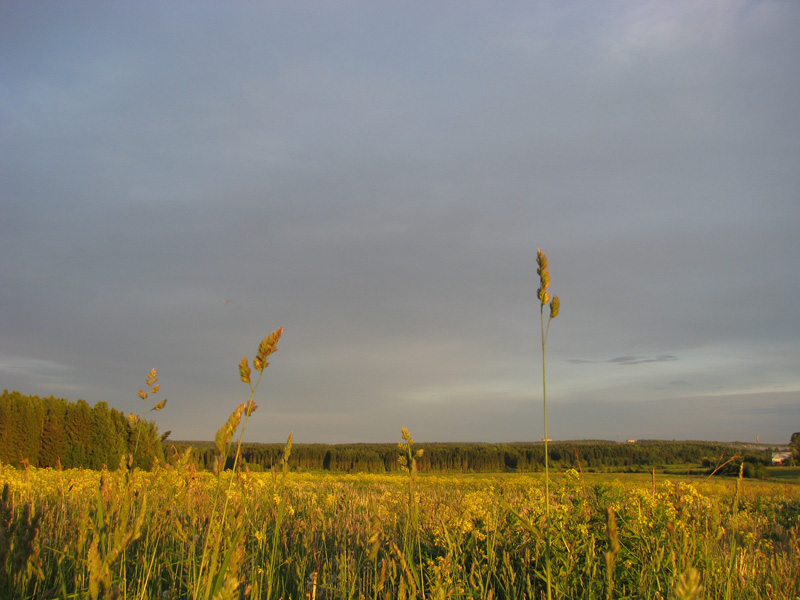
<point x="54" y="433"/>
<point x="47" y="432"/>
<point x="107" y="446"/>
<point x="795" y="443"/>
<point x="79" y="431"/>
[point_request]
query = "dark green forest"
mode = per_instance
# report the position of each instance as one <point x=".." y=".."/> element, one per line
<point x="490" y="458"/>
<point x="53" y="432"/>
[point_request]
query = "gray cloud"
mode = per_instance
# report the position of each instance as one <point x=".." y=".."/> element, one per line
<point x="377" y="178"/>
<point x="628" y="360"/>
<point x="638" y="360"/>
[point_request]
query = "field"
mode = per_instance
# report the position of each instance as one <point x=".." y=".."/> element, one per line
<point x="176" y="532"/>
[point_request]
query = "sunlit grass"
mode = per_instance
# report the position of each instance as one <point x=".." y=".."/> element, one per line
<point x="466" y="543"/>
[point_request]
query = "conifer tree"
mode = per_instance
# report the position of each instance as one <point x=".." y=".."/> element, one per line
<point x="79" y="430"/>
<point x="53" y="443"/>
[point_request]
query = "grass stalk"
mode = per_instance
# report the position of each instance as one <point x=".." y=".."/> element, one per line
<point x="152" y="388"/>
<point x="734" y="527"/>
<point x="211" y="556"/>
<point x="412" y="545"/>
<point x="555" y="304"/>
<point x="279" y="517"/>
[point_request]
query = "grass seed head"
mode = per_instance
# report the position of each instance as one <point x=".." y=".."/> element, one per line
<point x="541" y="260"/>
<point x="226" y="432"/>
<point x="555" y="306"/>
<point x="244" y="370"/>
<point x="268" y="346"/>
<point x="544" y="277"/>
<point x="250" y="408"/>
<point x="287" y="450"/>
<point x="544" y="283"/>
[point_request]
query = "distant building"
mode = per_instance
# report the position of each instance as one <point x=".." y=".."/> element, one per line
<point x="631" y="441"/>
<point x="781" y="458"/>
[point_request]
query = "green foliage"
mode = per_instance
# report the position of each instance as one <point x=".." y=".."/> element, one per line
<point x="53" y="432"/>
<point x="751" y="466"/>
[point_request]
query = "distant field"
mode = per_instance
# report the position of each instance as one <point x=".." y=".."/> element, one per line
<point x="788" y="474"/>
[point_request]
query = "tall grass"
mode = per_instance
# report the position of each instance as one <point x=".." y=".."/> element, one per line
<point x="555" y="304"/>
<point x="411" y="555"/>
<point x="217" y="574"/>
<point x="136" y="419"/>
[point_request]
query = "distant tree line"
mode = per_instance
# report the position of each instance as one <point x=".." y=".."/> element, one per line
<point x="52" y="432"/>
<point x="476" y="457"/>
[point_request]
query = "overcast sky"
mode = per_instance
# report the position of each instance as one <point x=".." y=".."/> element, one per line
<point x="178" y="179"/>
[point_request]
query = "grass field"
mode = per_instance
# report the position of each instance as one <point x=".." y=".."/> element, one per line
<point x="179" y="533"/>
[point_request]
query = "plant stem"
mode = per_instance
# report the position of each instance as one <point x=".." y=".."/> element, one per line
<point x="546" y="457"/>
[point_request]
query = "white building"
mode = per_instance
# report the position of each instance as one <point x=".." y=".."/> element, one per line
<point x="781" y="458"/>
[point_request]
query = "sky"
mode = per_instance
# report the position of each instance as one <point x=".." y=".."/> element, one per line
<point x="178" y="179"/>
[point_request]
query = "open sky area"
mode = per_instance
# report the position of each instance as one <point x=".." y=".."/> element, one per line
<point x="178" y="179"/>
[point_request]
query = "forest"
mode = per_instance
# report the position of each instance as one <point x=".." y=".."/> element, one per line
<point x="54" y="432"/>
<point x="520" y="457"/>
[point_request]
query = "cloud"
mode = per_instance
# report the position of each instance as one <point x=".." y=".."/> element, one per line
<point x="33" y="367"/>
<point x="788" y="408"/>
<point x="22" y="373"/>
<point x="628" y="360"/>
<point x="639" y="360"/>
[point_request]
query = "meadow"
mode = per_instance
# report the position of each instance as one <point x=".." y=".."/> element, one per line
<point x="178" y="532"/>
